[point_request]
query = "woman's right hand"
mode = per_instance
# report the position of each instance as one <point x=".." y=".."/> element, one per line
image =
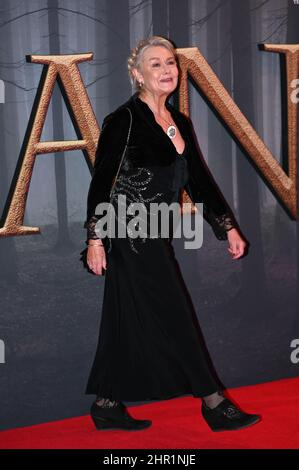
<point x="96" y="258"/>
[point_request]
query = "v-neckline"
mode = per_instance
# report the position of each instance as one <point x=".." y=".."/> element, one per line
<point x="185" y="147"/>
<point x="157" y="126"/>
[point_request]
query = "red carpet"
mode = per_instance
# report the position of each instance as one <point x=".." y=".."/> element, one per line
<point x="178" y="424"/>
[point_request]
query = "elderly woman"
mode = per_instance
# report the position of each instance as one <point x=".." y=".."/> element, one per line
<point x="148" y="347"/>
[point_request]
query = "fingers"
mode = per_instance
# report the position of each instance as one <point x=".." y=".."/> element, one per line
<point x="236" y="244"/>
<point x="97" y="269"/>
<point x="96" y="261"/>
<point x="237" y="251"/>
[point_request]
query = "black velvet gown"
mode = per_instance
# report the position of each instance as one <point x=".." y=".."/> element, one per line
<point x="148" y="345"/>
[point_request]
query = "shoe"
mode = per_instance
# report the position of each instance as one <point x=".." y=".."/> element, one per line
<point x="227" y="417"/>
<point x="116" y="417"/>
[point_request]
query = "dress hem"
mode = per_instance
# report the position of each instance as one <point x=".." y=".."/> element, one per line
<point x="168" y="397"/>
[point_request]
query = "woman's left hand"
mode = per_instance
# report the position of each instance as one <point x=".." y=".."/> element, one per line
<point x="236" y="243"/>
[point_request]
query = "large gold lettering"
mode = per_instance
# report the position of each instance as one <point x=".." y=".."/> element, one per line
<point x="283" y="185"/>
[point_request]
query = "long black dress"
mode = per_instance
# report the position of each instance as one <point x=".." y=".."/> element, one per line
<point x="148" y="345"/>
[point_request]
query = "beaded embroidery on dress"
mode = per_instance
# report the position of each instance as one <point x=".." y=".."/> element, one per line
<point x="140" y="184"/>
<point x="133" y="184"/>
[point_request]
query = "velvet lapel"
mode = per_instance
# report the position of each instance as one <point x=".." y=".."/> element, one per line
<point x="146" y="113"/>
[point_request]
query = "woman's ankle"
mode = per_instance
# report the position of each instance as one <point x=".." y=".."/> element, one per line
<point x="214" y="399"/>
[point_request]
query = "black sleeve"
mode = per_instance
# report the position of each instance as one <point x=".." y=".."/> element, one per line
<point x="111" y="143"/>
<point x="201" y="187"/>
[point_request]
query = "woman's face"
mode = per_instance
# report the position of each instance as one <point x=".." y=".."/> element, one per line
<point x="158" y="71"/>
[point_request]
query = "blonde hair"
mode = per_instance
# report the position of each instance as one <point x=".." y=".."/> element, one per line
<point x="135" y="57"/>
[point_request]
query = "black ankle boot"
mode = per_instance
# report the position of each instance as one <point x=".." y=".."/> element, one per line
<point x="227" y="416"/>
<point x="116" y="417"/>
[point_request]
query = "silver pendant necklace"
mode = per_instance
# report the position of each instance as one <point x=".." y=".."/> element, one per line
<point x="171" y="130"/>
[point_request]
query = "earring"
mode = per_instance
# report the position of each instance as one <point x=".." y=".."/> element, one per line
<point x="140" y="84"/>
